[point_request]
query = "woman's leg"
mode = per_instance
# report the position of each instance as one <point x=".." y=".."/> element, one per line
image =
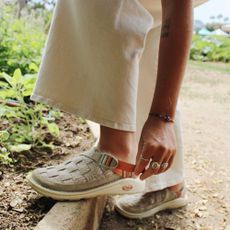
<point x="122" y="144"/>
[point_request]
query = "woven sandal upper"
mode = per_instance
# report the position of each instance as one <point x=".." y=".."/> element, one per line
<point x="90" y="169"/>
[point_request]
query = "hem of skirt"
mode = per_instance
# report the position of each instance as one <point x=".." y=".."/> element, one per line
<point x="162" y="185"/>
<point x="74" y="111"/>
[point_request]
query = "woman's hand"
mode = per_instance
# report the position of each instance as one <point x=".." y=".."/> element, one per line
<point x="157" y="144"/>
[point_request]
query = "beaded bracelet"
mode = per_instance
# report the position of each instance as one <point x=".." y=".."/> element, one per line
<point x="164" y="117"/>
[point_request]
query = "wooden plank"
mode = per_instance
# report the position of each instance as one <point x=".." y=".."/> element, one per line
<point x="80" y="215"/>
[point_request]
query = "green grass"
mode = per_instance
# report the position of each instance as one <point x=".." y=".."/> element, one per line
<point x="215" y="66"/>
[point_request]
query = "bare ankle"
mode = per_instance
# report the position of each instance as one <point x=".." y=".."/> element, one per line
<point x="123" y="153"/>
<point x="122" y="144"/>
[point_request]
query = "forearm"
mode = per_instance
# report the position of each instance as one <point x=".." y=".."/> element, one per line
<point x="174" y="47"/>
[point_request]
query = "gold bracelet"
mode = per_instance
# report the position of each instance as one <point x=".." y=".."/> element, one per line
<point x="164" y="117"/>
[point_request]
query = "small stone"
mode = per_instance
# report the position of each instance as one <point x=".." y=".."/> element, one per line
<point x="18" y="209"/>
<point x="7" y="184"/>
<point x="15" y="202"/>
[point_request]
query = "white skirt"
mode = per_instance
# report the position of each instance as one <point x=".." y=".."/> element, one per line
<point x="100" y="63"/>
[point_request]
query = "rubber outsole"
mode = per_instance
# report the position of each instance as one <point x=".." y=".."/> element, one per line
<point x="123" y="186"/>
<point x="173" y="204"/>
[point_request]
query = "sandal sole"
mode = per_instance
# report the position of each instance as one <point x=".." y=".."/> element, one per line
<point x="123" y="186"/>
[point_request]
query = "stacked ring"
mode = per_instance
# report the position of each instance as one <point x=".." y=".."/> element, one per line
<point x="155" y="165"/>
<point x="164" y="165"/>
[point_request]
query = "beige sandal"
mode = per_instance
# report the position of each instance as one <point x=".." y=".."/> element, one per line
<point x="90" y="174"/>
<point x="147" y="204"/>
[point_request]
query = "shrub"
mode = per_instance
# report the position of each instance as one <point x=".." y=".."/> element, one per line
<point x="210" y="48"/>
<point x="21" y="39"/>
<point x="23" y="125"/>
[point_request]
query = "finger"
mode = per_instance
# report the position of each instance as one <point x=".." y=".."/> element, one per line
<point x="142" y="162"/>
<point x="160" y="157"/>
<point x="150" y="171"/>
<point x="171" y="161"/>
<point x="140" y="149"/>
<point x="166" y="161"/>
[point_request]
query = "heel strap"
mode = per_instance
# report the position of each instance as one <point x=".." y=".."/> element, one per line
<point x="107" y="161"/>
<point x="119" y="167"/>
<point x="125" y="169"/>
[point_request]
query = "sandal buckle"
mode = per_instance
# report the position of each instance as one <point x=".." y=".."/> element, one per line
<point x="107" y="162"/>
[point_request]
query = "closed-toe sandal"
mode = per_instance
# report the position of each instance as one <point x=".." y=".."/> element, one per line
<point x="147" y="204"/>
<point x="89" y="174"/>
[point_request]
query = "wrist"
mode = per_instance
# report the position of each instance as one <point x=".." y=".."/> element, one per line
<point x="165" y="117"/>
<point x="164" y="106"/>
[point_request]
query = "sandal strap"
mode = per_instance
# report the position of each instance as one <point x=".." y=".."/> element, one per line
<point x="119" y="167"/>
<point x="107" y="161"/>
<point x="125" y="169"/>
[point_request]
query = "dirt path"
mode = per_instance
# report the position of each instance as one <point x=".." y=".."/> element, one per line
<point x="205" y="103"/>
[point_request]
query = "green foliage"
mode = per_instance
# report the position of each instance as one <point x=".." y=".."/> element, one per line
<point x="41" y="4"/>
<point x="23" y="124"/>
<point x="21" y="39"/>
<point x="27" y="125"/>
<point x="210" y="48"/>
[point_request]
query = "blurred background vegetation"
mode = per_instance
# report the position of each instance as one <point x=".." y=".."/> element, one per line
<point x="24" y="124"/>
<point x="25" y="24"/>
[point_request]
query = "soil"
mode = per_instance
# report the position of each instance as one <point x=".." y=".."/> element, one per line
<point x="205" y="105"/>
<point x="21" y="208"/>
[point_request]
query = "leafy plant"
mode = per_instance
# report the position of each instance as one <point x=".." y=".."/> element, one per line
<point x="26" y="124"/>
